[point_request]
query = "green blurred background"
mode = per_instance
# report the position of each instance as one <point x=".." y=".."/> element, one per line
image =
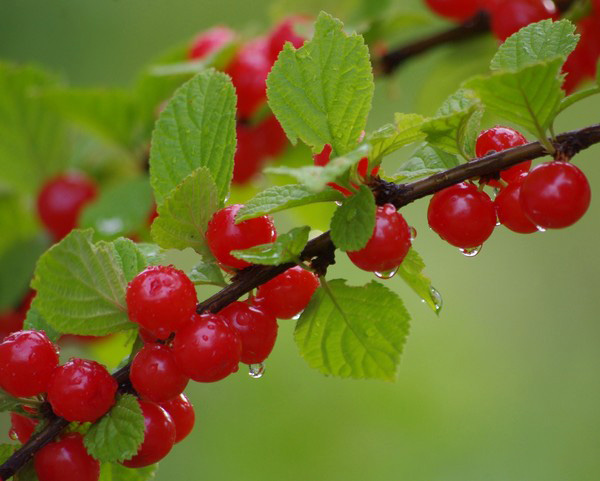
<point x="504" y="385"/>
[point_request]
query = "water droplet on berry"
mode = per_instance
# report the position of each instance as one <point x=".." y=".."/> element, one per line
<point x="540" y="229"/>
<point x="413" y="233"/>
<point x="498" y="223"/>
<point x="256" y="371"/>
<point x="471" y="251"/>
<point x="12" y="434"/>
<point x="436" y="297"/>
<point x="297" y="316"/>
<point x="387" y="274"/>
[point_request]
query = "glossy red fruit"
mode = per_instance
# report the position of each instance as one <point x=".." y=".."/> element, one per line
<point x="81" y="390"/>
<point x="248" y="71"/>
<point x="161" y="299"/>
<point x="21" y="427"/>
<point x="509" y="16"/>
<point x="10" y="321"/>
<point x="210" y="41"/>
<point x="27" y="359"/>
<point x="462" y="215"/>
<point x="224" y="235"/>
<point x="249" y="158"/>
<point x="66" y="460"/>
<point x="388" y="245"/>
<point x="459" y="10"/>
<point x="498" y="139"/>
<point x="287" y="294"/>
<point x="581" y="64"/>
<point x="286" y="31"/>
<point x="256" y="327"/>
<point x="509" y="210"/>
<point x="62" y="199"/>
<point x="206" y="349"/>
<point x="271" y="137"/>
<point x="555" y="195"/>
<point x="182" y="413"/>
<point x="154" y="374"/>
<point x="159" y="436"/>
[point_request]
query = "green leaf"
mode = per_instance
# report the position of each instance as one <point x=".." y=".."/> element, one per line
<point x="118" y="472"/>
<point x="154" y="255"/>
<point x="121" y="209"/>
<point x="286" y="248"/>
<point x="118" y="435"/>
<point x="322" y="92"/>
<point x="183" y="217"/>
<point x="411" y="271"/>
<point x="426" y="161"/>
<point x="278" y="198"/>
<point x="6" y="451"/>
<point x="537" y="42"/>
<point x="17" y="222"/>
<point x="207" y="272"/>
<point x="8" y="403"/>
<point x="353" y="222"/>
<point x="529" y="97"/>
<point x="356" y="332"/>
<point x="131" y="258"/>
<point x="36" y="322"/>
<point x="389" y="138"/>
<point x="26" y="473"/>
<point x="81" y="286"/>
<point x="196" y="129"/>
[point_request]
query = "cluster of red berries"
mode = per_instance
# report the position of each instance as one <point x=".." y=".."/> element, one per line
<point x="259" y="134"/>
<point x="551" y="196"/>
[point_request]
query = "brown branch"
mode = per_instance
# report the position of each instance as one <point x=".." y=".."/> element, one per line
<point x="320" y="250"/>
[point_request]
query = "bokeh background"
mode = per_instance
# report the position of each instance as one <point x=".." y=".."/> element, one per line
<point x="503" y="385"/>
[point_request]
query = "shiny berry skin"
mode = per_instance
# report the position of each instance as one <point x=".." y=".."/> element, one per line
<point x="287" y="294"/>
<point x="248" y="71"/>
<point x="62" y="199"/>
<point x="27" y="359"/>
<point x="206" y="349"/>
<point x="210" y="41"/>
<point x="159" y="436"/>
<point x="509" y="210"/>
<point x="555" y="195"/>
<point x="66" y="460"/>
<point x="81" y="390"/>
<point x="224" y="235"/>
<point x="462" y="215"/>
<point x="498" y="139"/>
<point x="161" y="299"/>
<point x="256" y="327"/>
<point x="182" y="413"/>
<point x="286" y="32"/>
<point x="21" y="427"/>
<point x="459" y="10"/>
<point x="388" y="245"/>
<point x="154" y="374"/>
<point x="509" y="16"/>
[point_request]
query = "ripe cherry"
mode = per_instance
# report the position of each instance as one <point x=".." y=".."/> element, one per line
<point x="459" y="10"/>
<point x="462" y="215"/>
<point x="271" y="136"/>
<point x="287" y="294"/>
<point x="27" y="359"/>
<point x="62" y="199"/>
<point x="182" y="413"/>
<point x="10" y="321"/>
<point x="286" y="31"/>
<point x="509" y="210"/>
<point x="159" y="436"/>
<point x="581" y="64"/>
<point x="210" y="41"/>
<point x="555" y="195"/>
<point x="256" y="327"/>
<point x="66" y="460"/>
<point x="154" y="374"/>
<point x="21" y="427"/>
<point x="206" y="349"/>
<point x="248" y="158"/>
<point x="161" y="299"/>
<point x="81" y="390"/>
<point x="224" y="235"/>
<point x="388" y="245"/>
<point x="509" y="16"/>
<point x="498" y="139"/>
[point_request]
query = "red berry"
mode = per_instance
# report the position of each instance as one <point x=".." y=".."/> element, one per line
<point x="498" y="139"/>
<point x="62" y="199"/>
<point x="159" y="436"/>
<point x="10" y="321"/>
<point x="155" y="375"/>
<point x="161" y="299"/>
<point x="27" y="359"/>
<point x="248" y="155"/>
<point x="462" y="215"/>
<point x="509" y="210"/>
<point x="206" y="349"/>
<point x="388" y="245"/>
<point x="210" y="41"/>
<point x="271" y="136"/>
<point x="287" y="294"/>
<point x="224" y="235"/>
<point x="555" y="195"/>
<point x="257" y="330"/>
<point x="21" y="427"/>
<point x="81" y="390"/>
<point x="286" y="31"/>
<point x="182" y="413"/>
<point x="582" y="62"/>
<point x="66" y="460"/>
<point x="509" y="16"/>
<point x="459" y="10"/>
<point x="248" y="71"/>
